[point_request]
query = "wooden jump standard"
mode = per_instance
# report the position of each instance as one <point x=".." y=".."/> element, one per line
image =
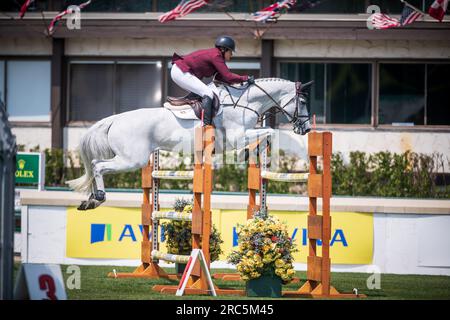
<point x="319" y="225"/>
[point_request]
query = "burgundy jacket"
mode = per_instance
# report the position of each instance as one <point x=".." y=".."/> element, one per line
<point x="205" y="63"/>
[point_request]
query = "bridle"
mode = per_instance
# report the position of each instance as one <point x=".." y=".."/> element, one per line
<point x="296" y="119"/>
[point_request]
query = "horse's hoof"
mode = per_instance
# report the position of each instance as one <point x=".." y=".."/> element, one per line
<point x="90" y="204"/>
<point x="83" y="206"/>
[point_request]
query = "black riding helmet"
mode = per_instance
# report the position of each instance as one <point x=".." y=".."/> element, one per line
<point x="226" y="42"/>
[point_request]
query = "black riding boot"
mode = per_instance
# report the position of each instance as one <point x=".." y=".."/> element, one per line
<point x="207" y="110"/>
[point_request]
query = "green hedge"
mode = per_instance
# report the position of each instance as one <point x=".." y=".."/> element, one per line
<point x="386" y="174"/>
<point x="382" y="174"/>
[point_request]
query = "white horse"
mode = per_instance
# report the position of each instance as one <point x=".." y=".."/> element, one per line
<point x="124" y="142"/>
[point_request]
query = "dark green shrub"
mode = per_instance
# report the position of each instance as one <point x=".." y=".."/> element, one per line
<point x="382" y="174"/>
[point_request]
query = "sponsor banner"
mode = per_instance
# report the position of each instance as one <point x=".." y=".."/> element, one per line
<point x="116" y="233"/>
<point x="27" y="168"/>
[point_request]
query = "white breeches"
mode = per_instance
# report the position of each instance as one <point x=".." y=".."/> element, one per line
<point x="191" y="83"/>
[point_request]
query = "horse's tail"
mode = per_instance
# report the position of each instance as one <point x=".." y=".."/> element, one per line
<point x="93" y="145"/>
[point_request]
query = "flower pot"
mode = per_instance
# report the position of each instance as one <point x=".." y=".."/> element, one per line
<point x="264" y="286"/>
<point x="179" y="267"/>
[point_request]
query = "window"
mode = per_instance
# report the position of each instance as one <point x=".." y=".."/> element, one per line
<point x="28" y="90"/>
<point x="91" y="91"/>
<point x="402" y="94"/>
<point x="138" y="85"/>
<point x="341" y="92"/>
<point x="14" y="6"/>
<point x="238" y="67"/>
<point x="348" y="94"/>
<point x="100" y="89"/>
<point x="114" y="5"/>
<point x="438" y="89"/>
<point x="246" y="6"/>
<point x="341" y="6"/>
<point x="167" y="5"/>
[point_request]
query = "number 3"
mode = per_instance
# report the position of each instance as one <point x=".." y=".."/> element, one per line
<point x="47" y="283"/>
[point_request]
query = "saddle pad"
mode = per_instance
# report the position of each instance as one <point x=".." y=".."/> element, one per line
<point x="185" y="111"/>
<point x="182" y="112"/>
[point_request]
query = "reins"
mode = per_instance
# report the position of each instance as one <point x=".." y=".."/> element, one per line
<point x="261" y="117"/>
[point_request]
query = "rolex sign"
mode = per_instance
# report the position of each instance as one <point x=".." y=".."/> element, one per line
<point x="28" y="167"/>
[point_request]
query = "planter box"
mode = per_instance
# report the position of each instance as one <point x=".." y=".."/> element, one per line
<point x="264" y="286"/>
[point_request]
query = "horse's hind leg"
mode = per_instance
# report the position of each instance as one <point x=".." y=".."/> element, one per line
<point x="99" y="168"/>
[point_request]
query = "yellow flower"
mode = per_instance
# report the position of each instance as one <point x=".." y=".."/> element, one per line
<point x="279" y="263"/>
<point x="267" y="258"/>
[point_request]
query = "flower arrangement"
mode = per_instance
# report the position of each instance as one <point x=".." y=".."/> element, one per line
<point x="264" y="249"/>
<point x="179" y="237"/>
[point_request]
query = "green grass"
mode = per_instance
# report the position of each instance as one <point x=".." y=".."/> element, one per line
<point x="95" y="285"/>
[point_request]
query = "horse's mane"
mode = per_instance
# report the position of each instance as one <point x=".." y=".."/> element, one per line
<point x="271" y="79"/>
<point x="236" y="91"/>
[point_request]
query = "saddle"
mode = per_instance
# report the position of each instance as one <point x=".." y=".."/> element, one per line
<point x="190" y="106"/>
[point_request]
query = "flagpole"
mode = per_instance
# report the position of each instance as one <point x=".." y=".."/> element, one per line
<point x="412" y="7"/>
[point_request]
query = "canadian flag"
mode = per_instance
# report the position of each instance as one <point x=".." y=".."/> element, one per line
<point x="438" y="8"/>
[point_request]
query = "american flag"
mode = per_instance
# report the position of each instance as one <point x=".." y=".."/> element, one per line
<point x="273" y="11"/>
<point x="409" y="15"/>
<point x="51" y="27"/>
<point x="383" y="21"/>
<point x="24" y="8"/>
<point x="183" y="8"/>
<point x="437" y="9"/>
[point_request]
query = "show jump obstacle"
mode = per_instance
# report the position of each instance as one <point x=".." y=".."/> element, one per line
<point x="151" y="214"/>
<point x="202" y="177"/>
<point x="319" y="225"/>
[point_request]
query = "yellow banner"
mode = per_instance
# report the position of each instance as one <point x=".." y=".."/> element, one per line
<point x="116" y="233"/>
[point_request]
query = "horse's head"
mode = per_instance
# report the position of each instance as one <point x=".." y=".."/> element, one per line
<point x="296" y="111"/>
<point x="285" y="96"/>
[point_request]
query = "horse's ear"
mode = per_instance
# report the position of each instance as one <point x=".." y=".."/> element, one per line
<point x="306" y="86"/>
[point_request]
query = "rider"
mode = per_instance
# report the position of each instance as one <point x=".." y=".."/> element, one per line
<point x="187" y="71"/>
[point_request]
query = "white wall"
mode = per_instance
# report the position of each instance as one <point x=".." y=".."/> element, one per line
<point x="150" y="47"/>
<point x="33" y="136"/>
<point x="403" y="243"/>
<point x="25" y="46"/>
<point x="365" y="49"/>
